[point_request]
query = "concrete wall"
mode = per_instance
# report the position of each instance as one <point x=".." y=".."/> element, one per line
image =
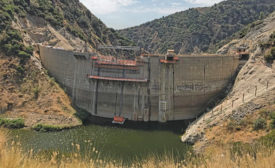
<point x="173" y="92"/>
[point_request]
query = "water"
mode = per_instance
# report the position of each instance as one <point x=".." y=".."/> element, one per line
<point x="108" y="142"/>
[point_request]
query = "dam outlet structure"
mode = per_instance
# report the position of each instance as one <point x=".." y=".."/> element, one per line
<point x="148" y="88"/>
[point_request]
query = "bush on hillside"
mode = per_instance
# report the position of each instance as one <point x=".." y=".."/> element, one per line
<point x="237" y="125"/>
<point x="270" y="55"/>
<point x="269" y="139"/>
<point x="258" y="124"/>
<point x="272" y="115"/>
<point x="272" y="52"/>
<point x="12" y="44"/>
<point x="272" y="124"/>
<point x="23" y="54"/>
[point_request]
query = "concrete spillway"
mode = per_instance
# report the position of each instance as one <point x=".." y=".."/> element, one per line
<point x="151" y="88"/>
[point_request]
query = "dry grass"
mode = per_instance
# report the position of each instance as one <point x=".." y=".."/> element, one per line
<point x="214" y="157"/>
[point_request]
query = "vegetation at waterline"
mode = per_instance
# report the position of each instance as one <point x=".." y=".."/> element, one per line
<point x="49" y="128"/>
<point x="12" y="123"/>
<point x="199" y="29"/>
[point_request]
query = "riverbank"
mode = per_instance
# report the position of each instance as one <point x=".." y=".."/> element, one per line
<point x="235" y="155"/>
<point x="18" y="123"/>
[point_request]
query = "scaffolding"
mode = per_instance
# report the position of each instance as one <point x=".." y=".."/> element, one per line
<point x="118" y="79"/>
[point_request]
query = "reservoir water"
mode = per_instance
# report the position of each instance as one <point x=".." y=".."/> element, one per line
<point x="125" y="144"/>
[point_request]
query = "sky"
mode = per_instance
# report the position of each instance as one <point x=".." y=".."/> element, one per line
<point x="119" y="14"/>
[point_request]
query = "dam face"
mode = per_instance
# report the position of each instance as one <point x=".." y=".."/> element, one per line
<point x="151" y="88"/>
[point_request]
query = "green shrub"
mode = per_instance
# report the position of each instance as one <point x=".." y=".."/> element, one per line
<point x="20" y="69"/>
<point x="48" y="128"/>
<point x="36" y="91"/>
<point x="29" y="50"/>
<point x="12" y="44"/>
<point x="12" y="123"/>
<point x="269" y="139"/>
<point x="52" y="81"/>
<point x="258" y="124"/>
<point x="236" y="125"/>
<point x="272" y="52"/>
<point x="272" y="124"/>
<point x="23" y="54"/>
<point x="14" y="34"/>
<point x="232" y="125"/>
<point x="243" y="32"/>
<point x="76" y="32"/>
<point x="272" y="115"/>
<point x="270" y="56"/>
<point x="83" y="22"/>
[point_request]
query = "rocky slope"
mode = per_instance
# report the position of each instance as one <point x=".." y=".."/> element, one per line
<point x="199" y="29"/>
<point x="59" y="23"/>
<point x="253" y="92"/>
<point x="26" y="89"/>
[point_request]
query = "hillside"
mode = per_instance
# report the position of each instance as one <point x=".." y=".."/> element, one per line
<point x="247" y="113"/>
<point x="58" y="23"/>
<point x="26" y="89"/>
<point x="199" y="29"/>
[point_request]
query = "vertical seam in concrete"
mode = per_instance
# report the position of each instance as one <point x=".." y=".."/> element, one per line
<point x="96" y="91"/>
<point x="121" y="99"/>
<point x="149" y="90"/>
<point x="173" y="101"/>
<point x="134" y="104"/>
<point x="90" y="86"/>
<point x="204" y="78"/>
<point x="222" y="70"/>
<point x="74" y="83"/>
<point x="116" y="104"/>
<point x="121" y="94"/>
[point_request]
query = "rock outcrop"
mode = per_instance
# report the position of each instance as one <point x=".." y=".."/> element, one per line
<point x="254" y="86"/>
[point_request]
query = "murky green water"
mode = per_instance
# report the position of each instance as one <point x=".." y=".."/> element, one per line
<point x="106" y="142"/>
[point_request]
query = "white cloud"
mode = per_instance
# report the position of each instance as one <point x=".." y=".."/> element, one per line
<point x="204" y="2"/>
<point x="159" y="10"/>
<point x="106" y="6"/>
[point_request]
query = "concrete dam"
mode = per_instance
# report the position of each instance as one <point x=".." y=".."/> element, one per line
<point x="150" y="88"/>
